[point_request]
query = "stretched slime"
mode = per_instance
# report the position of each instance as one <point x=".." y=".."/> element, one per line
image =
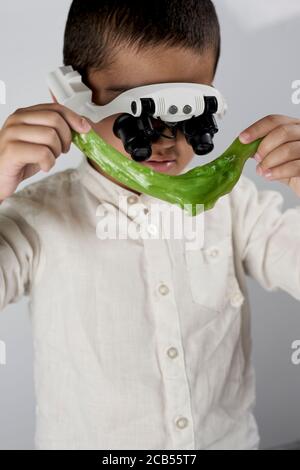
<point x="201" y="185"/>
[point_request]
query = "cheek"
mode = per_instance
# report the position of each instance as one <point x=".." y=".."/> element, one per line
<point x="105" y="129"/>
<point x="185" y="150"/>
<point x="186" y="158"/>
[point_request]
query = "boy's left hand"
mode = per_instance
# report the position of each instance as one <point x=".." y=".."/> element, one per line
<point x="278" y="154"/>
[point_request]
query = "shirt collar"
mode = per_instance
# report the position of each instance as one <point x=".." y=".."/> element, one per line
<point x="106" y="190"/>
<point x="139" y="208"/>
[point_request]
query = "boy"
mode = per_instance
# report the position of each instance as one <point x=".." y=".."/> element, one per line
<point x="140" y="344"/>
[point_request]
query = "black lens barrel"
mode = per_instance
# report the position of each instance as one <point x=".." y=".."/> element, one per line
<point x="138" y="133"/>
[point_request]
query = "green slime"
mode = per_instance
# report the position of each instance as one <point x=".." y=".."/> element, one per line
<point x="194" y="191"/>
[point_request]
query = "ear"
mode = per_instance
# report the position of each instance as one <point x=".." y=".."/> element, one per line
<point x="53" y="97"/>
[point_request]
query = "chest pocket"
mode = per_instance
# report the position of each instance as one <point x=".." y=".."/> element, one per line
<point x="210" y="271"/>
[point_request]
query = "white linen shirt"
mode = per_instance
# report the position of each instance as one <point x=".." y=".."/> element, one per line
<point x="142" y="343"/>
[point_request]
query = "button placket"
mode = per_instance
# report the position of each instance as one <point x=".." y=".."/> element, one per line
<point x="169" y="340"/>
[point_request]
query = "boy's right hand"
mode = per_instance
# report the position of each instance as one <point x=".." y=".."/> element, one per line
<point x="31" y="139"/>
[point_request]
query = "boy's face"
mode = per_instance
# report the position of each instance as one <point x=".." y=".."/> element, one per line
<point x="132" y="70"/>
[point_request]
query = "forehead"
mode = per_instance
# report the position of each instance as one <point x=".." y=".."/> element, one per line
<point x="160" y="65"/>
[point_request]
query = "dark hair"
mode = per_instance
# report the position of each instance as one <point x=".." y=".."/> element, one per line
<point x="96" y="29"/>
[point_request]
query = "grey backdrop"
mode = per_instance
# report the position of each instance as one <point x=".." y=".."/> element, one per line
<point x="255" y="74"/>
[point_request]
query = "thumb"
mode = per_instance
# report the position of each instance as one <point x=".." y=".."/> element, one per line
<point x="83" y="125"/>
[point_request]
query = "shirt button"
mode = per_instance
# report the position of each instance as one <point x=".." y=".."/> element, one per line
<point x="172" y="353"/>
<point x="163" y="289"/>
<point x="237" y="299"/>
<point x="132" y="199"/>
<point x="182" y="423"/>
<point x="146" y="211"/>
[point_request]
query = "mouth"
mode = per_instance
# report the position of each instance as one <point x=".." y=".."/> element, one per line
<point x="160" y="165"/>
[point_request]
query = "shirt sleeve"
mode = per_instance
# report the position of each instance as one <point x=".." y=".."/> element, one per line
<point x="268" y="237"/>
<point x="19" y="250"/>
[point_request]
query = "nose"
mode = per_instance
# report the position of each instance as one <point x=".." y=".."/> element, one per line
<point x="162" y="148"/>
<point x="166" y="140"/>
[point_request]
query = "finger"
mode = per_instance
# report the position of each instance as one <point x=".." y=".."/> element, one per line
<point x="35" y="134"/>
<point x="277" y="137"/>
<point x="284" y="153"/>
<point x="265" y="125"/>
<point x="75" y="121"/>
<point x="44" y="118"/>
<point x="24" y="153"/>
<point x="285" y="171"/>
